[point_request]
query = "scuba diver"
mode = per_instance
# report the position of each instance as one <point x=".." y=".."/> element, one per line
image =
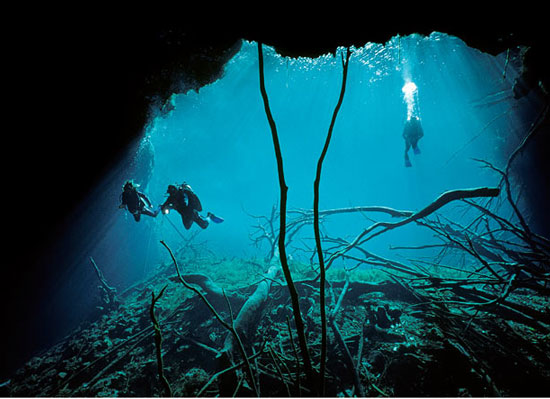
<point x="412" y="133"/>
<point x="185" y="201"/>
<point x="137" y="203"/>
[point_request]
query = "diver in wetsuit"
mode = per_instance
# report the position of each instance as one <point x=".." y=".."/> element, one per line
<point x="185" y="201"/>
<point x="137" y="203"/>
<point x="412" y="132"/>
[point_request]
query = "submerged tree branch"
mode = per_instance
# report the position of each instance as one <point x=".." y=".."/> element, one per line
<point x="158" y="342"/>
<point x="442" y="200"/>
<point x="282" y="229"/>
<point x="316" y="185"/>
<point x="110" y="292"/>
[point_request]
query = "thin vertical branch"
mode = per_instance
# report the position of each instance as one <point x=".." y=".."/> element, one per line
<point x="282" y="228"/>
<point x="297" y="382"/>
<point x="316" y="185"/>
<point x="158" y="342"/>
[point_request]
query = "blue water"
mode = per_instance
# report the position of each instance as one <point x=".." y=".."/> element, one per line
<point x="218" y="140"/>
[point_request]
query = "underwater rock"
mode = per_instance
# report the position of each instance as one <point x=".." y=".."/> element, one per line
<point x="383" y="316"/>
<point x="193" y="381"/>
<point x="377" y="361"/>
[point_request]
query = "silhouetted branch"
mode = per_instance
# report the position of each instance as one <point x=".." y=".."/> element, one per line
<point x="316" y="185"/>
<point x="442" y="200"/>
<point x="282" y="228"/>
<point x="158" y="342"/>
<point x="382" y="209"/>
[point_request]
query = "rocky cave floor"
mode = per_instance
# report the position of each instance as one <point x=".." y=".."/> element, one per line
<point x="400" y="344"/>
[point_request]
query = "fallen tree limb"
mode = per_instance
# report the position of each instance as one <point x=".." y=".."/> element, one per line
<point x="307" y="213"/>
<point x="442" y="200"/>
<point x="250" y="312"/>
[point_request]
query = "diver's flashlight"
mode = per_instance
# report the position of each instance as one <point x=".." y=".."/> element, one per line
<point x="166" y="211"/>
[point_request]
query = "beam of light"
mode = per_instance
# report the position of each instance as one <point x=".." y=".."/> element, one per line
<point x="410" y="90"/>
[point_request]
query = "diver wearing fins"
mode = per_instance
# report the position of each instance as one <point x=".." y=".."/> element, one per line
<point x="136" y="202"/>
<point x="412" y="132"/>
<point x="187" y="204"/>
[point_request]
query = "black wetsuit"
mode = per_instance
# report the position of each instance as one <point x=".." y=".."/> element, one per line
<point x="188" y="205"/>
<point x="136" y="203"/>
<point x="412" y="133"/>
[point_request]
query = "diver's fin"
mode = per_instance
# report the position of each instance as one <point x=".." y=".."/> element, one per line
<point x="407" y="163"/>
<point x="214" y="218"/>
<point x="416" y="150"/>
